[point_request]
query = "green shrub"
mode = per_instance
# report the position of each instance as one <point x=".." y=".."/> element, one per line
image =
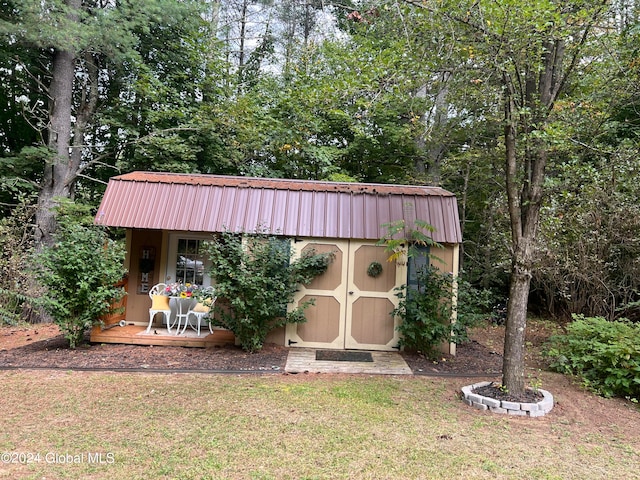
<point x="605" y="354"/>
<point x="474" y="305"/>
<point x="257" y="278"/>
<point x="79" y="270"/>
<point x="18" y="291"/>
<point x="427" y="309"/>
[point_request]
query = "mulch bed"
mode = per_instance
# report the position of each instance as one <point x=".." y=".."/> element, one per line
<point x="54" y="353"/>
<point x="472" y="358"/>
<point x="494" y="391"/>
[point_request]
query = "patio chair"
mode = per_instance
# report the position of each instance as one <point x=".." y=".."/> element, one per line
<point x="159" y="304"/>
<point x="200" y="310"/>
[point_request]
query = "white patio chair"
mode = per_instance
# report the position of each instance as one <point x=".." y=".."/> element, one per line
<point x="199" y="311"/>
<point x="159" y="304"/>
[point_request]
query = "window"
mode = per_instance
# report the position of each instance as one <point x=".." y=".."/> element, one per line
<point x="187" y="262"/>
<point x="417" y="263"/>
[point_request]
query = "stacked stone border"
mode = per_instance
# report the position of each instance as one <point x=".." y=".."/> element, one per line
<point x="480" y="402"/>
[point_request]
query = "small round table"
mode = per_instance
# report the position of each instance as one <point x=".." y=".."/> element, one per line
<point x="183" y="304"/>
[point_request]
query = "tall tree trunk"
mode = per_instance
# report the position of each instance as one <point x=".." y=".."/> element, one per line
<point x="243" y="39"/>
<point x="524" y="199"/>
<point x="437" y="145"/>
<point x="513" y="365"/>
<point x="87" y="104"/>
<point x="58" y="178"/>
<point x="431" y="141"/>
<point x="213" y="17"/>
<point x="55" y="181"/>
<point x="463" y="213"/>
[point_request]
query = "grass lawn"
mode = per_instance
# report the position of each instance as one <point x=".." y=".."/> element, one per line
<point x="188" y="426"/>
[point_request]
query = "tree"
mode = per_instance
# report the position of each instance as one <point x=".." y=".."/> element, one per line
<point x="531" y="55"/>
<point x="590" y="236"/>
<point x="352" y="98"/>
<point x="16" y="241"/>
<point x="590" y="233"/>
<point x="19" y="174"/>
<point x="79" y="43"/>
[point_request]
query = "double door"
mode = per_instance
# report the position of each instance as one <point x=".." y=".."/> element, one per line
<point x="353" y="299"/>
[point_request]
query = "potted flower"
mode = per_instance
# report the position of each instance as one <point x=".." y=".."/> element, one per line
<point x="181" y="290"/>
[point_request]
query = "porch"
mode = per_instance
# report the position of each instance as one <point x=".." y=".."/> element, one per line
<point x="133" y="334"/>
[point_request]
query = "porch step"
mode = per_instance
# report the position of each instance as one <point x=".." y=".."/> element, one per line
<point x="303" y="360"/>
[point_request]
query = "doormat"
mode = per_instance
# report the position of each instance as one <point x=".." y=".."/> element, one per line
<point x="343" y="356"/>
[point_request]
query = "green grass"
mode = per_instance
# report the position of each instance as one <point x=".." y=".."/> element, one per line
<point x="183" y="426"/>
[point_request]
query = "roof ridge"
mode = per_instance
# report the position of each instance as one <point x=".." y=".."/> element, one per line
<point x="277" y="183"/>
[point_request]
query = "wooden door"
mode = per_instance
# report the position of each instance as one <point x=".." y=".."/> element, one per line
<point x="352" y="309"/>
<point x="369" y="324"/>
<point x="324" y="327"/>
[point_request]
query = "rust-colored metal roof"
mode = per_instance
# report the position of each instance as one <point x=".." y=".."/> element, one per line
<point x="293" y="208"/>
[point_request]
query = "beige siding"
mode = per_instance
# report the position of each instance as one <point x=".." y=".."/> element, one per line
<point x="449" y="257"/>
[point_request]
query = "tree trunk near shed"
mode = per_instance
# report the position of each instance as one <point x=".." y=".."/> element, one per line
<point x="56" y="181"/>
<point x="59" y="172"/>
<point x="513" y="365"/>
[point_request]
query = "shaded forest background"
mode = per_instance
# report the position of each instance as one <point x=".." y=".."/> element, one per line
<point x="390" y="92"/>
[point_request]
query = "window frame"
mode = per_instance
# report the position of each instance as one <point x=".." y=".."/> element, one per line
<point x="172" y="256"/>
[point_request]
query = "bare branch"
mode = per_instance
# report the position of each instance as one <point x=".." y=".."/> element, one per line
<point x="90" y="178"/>
<point x="45" y="88"/>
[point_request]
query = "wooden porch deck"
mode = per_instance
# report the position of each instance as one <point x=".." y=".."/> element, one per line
<point x="135" y="335"/>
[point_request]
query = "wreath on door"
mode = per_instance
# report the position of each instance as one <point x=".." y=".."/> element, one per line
<point x="374" y="269"/>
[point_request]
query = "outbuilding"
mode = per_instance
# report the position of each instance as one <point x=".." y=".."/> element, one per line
<point x="167" y="216"/>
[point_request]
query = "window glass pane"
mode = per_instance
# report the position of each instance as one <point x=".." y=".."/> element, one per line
<point x="417" y="263"/>
<point x="189" y="262"/>
<point x="192" y="247"/>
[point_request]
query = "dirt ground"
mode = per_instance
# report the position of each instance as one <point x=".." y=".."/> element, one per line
<point x="42" y="346"/>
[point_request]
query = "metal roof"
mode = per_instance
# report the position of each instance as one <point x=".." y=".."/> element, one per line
<point x="293" y="208"/>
